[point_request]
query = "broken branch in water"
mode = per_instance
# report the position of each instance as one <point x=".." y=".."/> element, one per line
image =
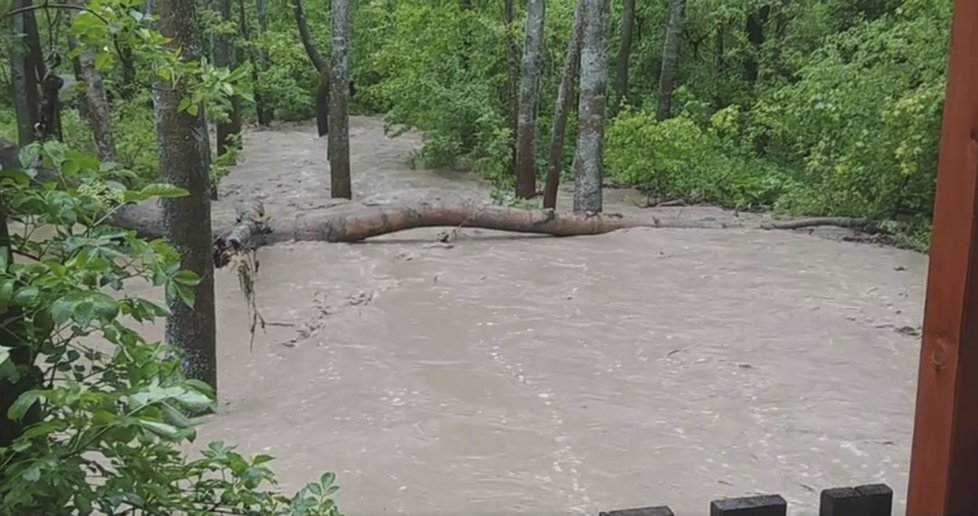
<point x="858" y="224"/>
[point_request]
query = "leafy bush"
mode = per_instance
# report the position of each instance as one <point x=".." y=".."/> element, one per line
<point x="677" y="158"/>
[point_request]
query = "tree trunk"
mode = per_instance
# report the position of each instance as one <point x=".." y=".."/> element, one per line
<point x="33" y="35"/>
<point x="512" y="80"/>
<point x="225" y="56"/>
<point x="589" y="155"/>
<point x="670" y="58"/>
<point x="322" y="68"/>
<point x="339" y="103"/>
<point x="624" y="54"/>
<point x="97" y="111"/>
<point x="306" y="37"/>
<point x="755" y="27"/>
<point x="265" y="113"/>
<point x="355" y="222"/>
<point x="259" y="63"/>
<point x="22" y="355"/>
<point x="322" y="103"/>
<point x="24" y="80"/>
<point x="565" y="99"/>
<point x="187" y="220"/>
<point x="526" y="175"/>
<point x="76" y="69"/>
<point x="49" y="115"/>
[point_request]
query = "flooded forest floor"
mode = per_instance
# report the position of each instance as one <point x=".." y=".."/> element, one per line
<point x="513" y="374"/>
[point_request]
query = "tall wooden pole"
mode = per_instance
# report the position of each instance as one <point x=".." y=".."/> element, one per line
<point x="944" y="463"/>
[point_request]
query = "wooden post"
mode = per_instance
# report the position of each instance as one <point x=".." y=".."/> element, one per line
<point x="944" y="461"/>
<point x="868" y="500"/>
<point x="661" y="510"/>
<point x="761" y="505"/>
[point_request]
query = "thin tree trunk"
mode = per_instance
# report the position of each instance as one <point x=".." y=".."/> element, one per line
<point x="512" y="80"/>
<point x="322" y="68"/>
<point x="589" y="155"/>
<point x="97" y="111"/>
<point x="23" y="355"/>
<point x="339" y="116"/>
<point x="187" y="220"/>
<point x="49" y="111"/>
<point x="263" y="111"/>
<point x="76" y="69"/>
<point x="34" y="42"/>
<point x="565" y="99"/>
<point x="670" y="58"/>
<point x="624" y="54"/>
<point x="24" y="81"/>
<point x="322" y="102"/>
<point x="306" y="37"/>
<point x="755" y="27"/>
<point x="526" y="175"/>
<point x="225" y="56"/>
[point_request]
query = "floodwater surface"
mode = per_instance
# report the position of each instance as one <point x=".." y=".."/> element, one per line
<point x="504" y="374"/>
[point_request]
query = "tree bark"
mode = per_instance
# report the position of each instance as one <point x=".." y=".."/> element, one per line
<point x="512" y="80"/>
<point x="624" y="55"/>
<point x="49" y="112"/>
<point x="97" y="109"/>
<point x="526" y="176"/>
<point x="33" y="35"/>
<point x="565" y="99"/>
<point x="76" y="69"/>
<point x="755" y="27"/>
<point x="265" y="113"/>
<point x="306" y="37"/>
<point x="23" y="355"/>
<point x="339" y="103"/>
<point x="322" y="102"/>
<point x="225" y="56"/>
<point x="259" y="62"/>
<point x="24" y="80"/>
<point x="186" y="221"/>
<point x="670" y="58"/>
<point x="589" y="155"/>
<point x="356" y="222"/>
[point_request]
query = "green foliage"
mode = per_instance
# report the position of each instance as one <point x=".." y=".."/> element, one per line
<point x="677" y="158"/>
<point x="844" y="120"/>
<point x="289" y="86"/>
<point x="113" y="407"/>
<point x="106" y="412"/>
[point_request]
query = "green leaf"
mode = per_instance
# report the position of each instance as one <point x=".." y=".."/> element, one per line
<point x="159" y="428"/>
<point x="163" y="190"/>
<point x="29" y="153"/>
<point x="6" y="292"/>
<point x="24" y="402"/>
<point x="33" y="473"/>
<point x="4" y="354"/>
<point x="61" y="310"/>
<point x="187" y="277"/>
<point x="26" y="296"/>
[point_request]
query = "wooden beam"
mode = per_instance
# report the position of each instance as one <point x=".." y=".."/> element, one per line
<point x="944" y="461"/>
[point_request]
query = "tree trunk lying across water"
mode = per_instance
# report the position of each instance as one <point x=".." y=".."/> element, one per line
<point x="353" y="222"/>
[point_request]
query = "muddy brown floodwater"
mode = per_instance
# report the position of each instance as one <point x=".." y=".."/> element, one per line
<point x="506" y="374"/>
